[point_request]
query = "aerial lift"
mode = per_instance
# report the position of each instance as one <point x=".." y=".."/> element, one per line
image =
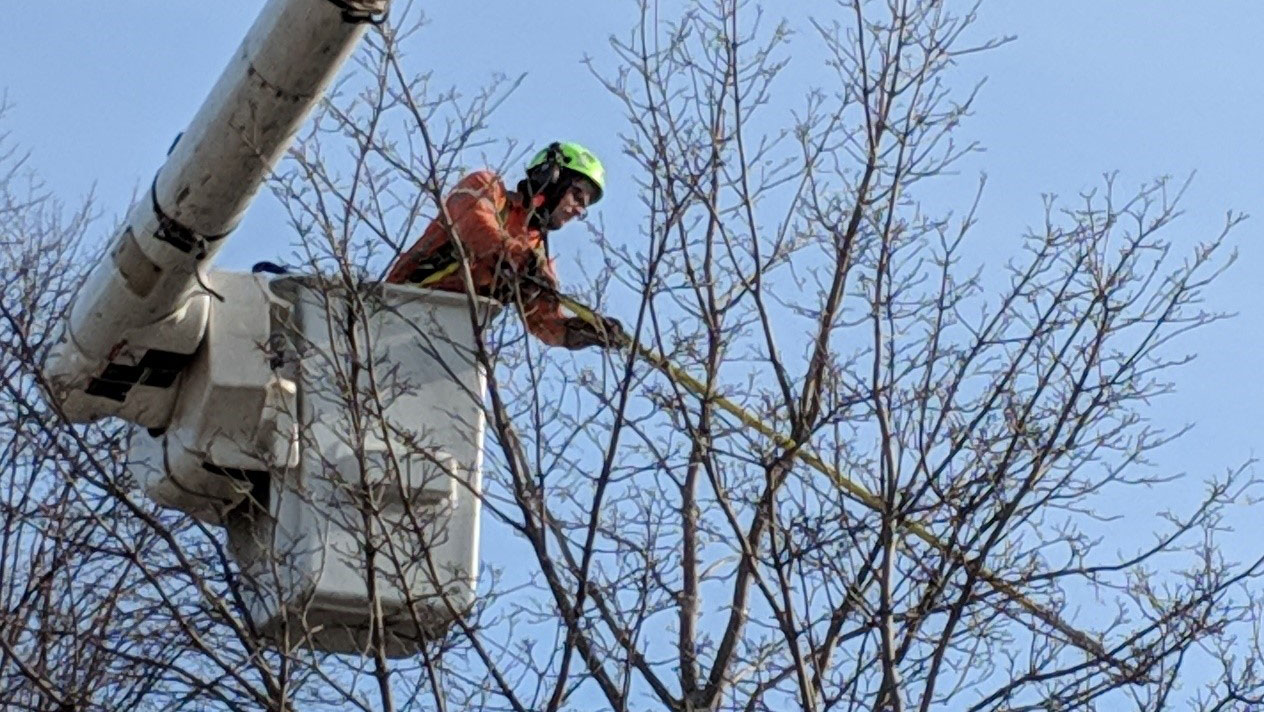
<point x="242" y="382"/>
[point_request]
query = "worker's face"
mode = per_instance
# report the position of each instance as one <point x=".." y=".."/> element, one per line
<point x="573" y="204"/>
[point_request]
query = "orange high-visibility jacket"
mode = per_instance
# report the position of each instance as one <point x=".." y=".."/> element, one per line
<point x="501" y="250"/>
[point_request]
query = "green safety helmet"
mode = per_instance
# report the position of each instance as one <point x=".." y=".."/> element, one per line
<point x="574" y="157"/>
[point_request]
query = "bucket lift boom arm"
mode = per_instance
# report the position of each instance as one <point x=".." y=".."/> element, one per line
<point x="142" y="313"/>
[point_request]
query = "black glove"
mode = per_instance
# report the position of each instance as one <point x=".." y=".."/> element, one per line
<point x="607" y="333"/>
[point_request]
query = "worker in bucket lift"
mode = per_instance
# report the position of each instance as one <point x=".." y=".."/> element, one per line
<point x="504" y="236"/>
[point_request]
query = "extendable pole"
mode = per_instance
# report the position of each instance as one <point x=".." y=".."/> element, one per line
<point x="853" y="490"/>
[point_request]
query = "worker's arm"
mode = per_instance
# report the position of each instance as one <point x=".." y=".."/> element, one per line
<point x="519" y="272"/>
<point x="535" y="291"/>
<point x="475" y="207"/>
<point x="542" y="310"/>
<point x="472" y="212"/>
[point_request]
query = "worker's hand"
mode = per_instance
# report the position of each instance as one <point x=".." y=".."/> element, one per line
<point x="607" y="333"/>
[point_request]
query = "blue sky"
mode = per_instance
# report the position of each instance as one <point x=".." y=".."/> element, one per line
<point x="1143" y="87"/>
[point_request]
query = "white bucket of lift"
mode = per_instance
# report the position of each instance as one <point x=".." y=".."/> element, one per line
<point x="390" y="416"/>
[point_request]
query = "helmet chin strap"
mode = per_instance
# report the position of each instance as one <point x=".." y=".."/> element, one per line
<point x="541" y="215"/>
<point x="540" y="186"/>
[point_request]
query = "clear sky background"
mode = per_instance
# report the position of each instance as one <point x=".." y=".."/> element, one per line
<point x="1144" y="87"/>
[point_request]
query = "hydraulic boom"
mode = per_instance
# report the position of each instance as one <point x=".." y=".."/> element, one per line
<point x="142" y="312"/>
